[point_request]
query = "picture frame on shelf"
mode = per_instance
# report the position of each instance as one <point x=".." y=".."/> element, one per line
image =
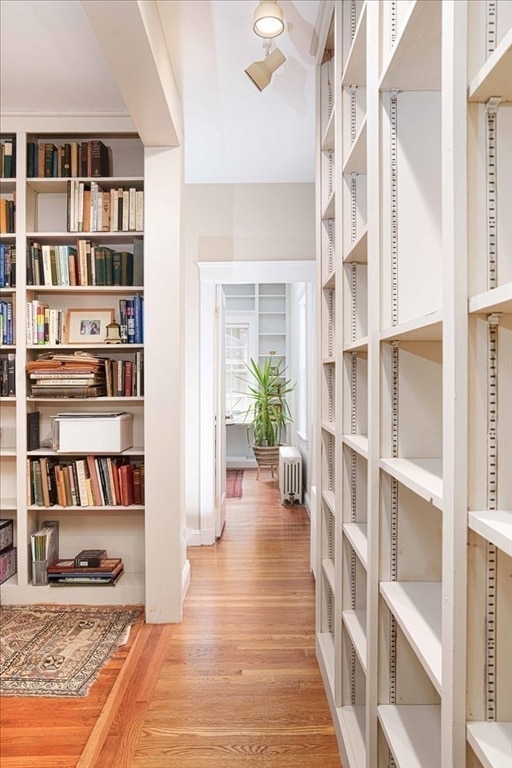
<point x="88" y="326"/>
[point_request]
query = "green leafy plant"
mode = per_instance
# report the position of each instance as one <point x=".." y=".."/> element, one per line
<point x="268" y="412"/>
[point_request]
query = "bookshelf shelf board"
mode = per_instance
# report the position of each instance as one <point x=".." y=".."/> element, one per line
<point x="7" y="290"/>
<point x="8" y="504"/>
<point x="328" y="139"/>
<point x="356" y="158"/>
<point x="329" y="426"/>
<point x="494" y="526"/>
<point x="354" y="71"/>
<point x="82" y="400"/>
<point x="90" y="347"/>
<point x="491" y="742"/>
<point x="8" y="237"/>
<point x="416" y="606"/>
<point x="328" y="212"/>
<point x="7" y="452"/>
<point x="7" y="187"/>
<point x="358" y="251"/>
<point x="330" y="281"/>
<point x="325" y="651"/>
<point x="423" y="476"/>
<point x="493" y="78"/>
<point x="330" y="499"/>
<point x="92" y="508"/>
<point x="352" y="722"/>
<point x="358" y="443"/>
<point x="80" y="289"/>
<point x="496" y="300"/>
<point x="426" y="328"/>
<point x="413" y="734"/>
<point x="63" y="238"/>
<point x="8" y="400"/>
<point x="49" y="452"/>
<point x="328" y="569"/>
<point x="357" y="534"/>
<point x="9" y="583"/>
<point x="329" y="361"/>
<point x="56" y="185"/>
<point x="414" y="64"/>
<point x="359" y="345"/>
<point x="7" y="347"/>
<point x="355" y="623"/>
<point x="129" y="590"/>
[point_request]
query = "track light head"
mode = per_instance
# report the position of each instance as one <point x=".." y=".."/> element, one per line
<point x="268" y="20"/>
<point x="260" y="72"/>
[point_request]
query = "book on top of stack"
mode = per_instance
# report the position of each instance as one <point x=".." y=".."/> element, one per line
<point x="67" y="375"/>
<point x="99" y="571"/>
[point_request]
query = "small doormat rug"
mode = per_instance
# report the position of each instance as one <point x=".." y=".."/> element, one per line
<point x="57" y="650"/>
<point x="234" y="483"/>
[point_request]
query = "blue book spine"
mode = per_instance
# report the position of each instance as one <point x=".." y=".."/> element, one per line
<point x="139" y="319"/>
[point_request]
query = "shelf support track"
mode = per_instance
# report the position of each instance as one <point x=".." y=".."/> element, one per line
<point x="393" y="12"/>
<point x="353" y="207"/>
<point x="394" y="204"/>
<point x="491" y="109"/>
<point x="490" y="37"/>
<point x="394" y="518"/>
<point x="492" y="504"/>
<point x="353" y="512"/>
<point x="353" y="93"/>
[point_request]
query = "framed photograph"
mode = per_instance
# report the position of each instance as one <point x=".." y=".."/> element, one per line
<point x="88" y="326"/>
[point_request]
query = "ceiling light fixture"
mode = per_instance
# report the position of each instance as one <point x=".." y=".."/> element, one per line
<point x="268" y="20"/>
<point x="260" y="72"/>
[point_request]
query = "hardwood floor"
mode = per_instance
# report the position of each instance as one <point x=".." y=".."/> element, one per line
<point x="236" y="683"/>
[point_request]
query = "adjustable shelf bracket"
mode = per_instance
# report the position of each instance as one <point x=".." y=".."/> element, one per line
<point x="353" y="93"/>
<point x="491" y="110"/>
<point x="492" y="502"/>
<point x="490" y="28"/>
<point x="394" y="514"/>
<point x="394" y="203"/>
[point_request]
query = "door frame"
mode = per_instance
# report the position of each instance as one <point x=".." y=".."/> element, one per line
<point x="211" y="274"/>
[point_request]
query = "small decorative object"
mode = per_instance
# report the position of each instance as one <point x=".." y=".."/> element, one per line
<point x="113" y="334"/>
<point x="88" y="326"/>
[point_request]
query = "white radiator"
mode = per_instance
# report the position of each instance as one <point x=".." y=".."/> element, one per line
<point x="290" y="475"/>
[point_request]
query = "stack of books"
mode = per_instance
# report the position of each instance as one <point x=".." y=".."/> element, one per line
<point x="72" y="375"/>
<point x="90" y="568"/>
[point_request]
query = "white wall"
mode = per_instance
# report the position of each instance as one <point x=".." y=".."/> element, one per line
<point x="233" y="222"/>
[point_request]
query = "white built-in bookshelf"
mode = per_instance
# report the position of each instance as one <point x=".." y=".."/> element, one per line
<point x="42" y="210"/>
<point x="414" y="489"/>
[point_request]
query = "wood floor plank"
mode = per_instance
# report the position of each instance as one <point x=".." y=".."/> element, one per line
<point x="235" y="684"/>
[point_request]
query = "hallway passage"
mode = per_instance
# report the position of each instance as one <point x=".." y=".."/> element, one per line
<point x="235" y="684"/>
<point x="240" y="683"/>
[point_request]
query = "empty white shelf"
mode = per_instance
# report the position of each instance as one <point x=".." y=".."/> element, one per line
<point x="354" y="72"/>
<point x="359" y="443"/>
<point x="355" y="623"/>
<point x="426" y="328"/>
<point x="494" y="77"/>
<point x="330" y="499"/>
<point x="491" y="743"/>
<point x="413" y="734"/>
<point x="495" y="526"/>
<point x="423" y="476"/>
<point x="356" y="158"/>
<point x="329" y="208"/>
<point x="359" y="345"/>
<point x="328" y="140"/>
<point x="357" y="534"/>
<point x="353" y="727"/>
<point x="496" y="300"/>
<point x="416" y="606"/>
<point x="357" y="252"/>
<point x="414" y="64"/>
<point x="328" y="569"/>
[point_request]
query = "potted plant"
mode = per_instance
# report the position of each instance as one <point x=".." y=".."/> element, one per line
<point x="268" y="412"/>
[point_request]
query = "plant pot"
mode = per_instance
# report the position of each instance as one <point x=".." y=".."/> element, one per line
<point x="266" y="456"/>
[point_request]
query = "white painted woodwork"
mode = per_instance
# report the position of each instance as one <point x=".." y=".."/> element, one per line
<point x="413" y="734"/>
<point x="495" y="526"/>
<point x="491" y="742"/>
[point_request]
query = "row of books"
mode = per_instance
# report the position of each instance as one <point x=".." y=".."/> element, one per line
<point x="68" y="572"/>
<point x="90" y="208"/>
<point x="44" y="546"/>
<point x="8" y="322"/>
<point x="84" y="264"/>
<point x="8" y="159"/>
<point x="7" y="215"/>
<point x="85" y="481"/>
<point x="7" y="266"/>
<point x="8" y="374"/>
<point x="82" y="377"/>
<point x="87" y="159"/>
<point x="48" y="326"/>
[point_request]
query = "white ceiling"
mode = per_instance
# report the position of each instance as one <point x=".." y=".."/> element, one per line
<point x="51" y="61"/>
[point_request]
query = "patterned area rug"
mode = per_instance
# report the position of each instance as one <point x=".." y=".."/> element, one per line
<point x="234" y="483"/>
<point x="55" y="650"/>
